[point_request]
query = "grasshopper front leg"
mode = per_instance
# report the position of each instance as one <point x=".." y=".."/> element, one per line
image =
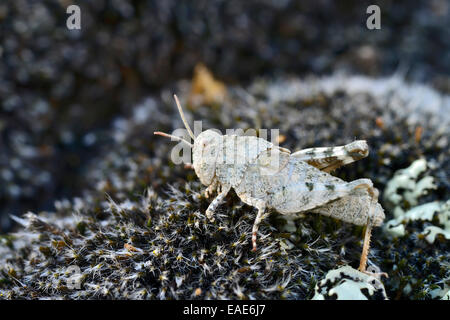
<point x="211" y="188"/>
<point x="216" y="202"/>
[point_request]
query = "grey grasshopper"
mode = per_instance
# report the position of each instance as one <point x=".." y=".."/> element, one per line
<point x="271" y="177"/>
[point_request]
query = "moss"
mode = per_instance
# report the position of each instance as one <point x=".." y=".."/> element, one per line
<point x="139" y="230"/>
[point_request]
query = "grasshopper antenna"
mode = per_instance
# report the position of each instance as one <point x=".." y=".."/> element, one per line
<point x="183" y="118"/>
<point x="159" y="133"/>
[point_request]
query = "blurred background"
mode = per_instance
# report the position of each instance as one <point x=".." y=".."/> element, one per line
<point x="60" y="88"/>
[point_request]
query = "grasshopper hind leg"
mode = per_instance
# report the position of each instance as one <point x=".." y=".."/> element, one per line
<point x="358" y="206"/>
<point x="331" y="158"/>
<point x="373" y="192"/>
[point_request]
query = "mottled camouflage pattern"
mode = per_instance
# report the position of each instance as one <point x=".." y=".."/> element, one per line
<point x="266" y="176"/>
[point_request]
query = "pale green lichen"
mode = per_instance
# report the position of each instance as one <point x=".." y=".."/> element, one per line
<point x="407" y="180"/>
<point x="346" y="283"/>
<point x="446" y="296"/>
<point x="395" y="230"/>
<point x="431" y="232"/>
<point x="424" y="212"/>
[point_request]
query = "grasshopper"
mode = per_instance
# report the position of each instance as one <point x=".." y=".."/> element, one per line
<point x="295" y="183"/>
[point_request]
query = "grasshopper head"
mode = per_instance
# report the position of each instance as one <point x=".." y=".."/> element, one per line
<point x="205" y="152"/>
<point x="205" y="149"/>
